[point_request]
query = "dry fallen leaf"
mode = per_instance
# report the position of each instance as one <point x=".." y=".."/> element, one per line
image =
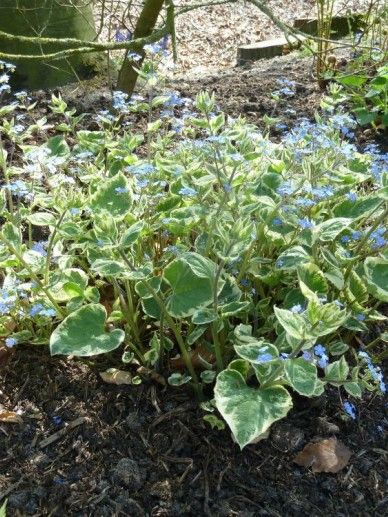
<point x="10" y="417"/>
<point x="328" y="455"/>
<point x="115" y="376"/>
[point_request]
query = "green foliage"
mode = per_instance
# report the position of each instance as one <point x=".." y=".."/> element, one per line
<point x="236" y="253"/>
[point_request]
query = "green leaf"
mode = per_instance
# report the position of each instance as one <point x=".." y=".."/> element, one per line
<point x="356" y="290"/>
<point x="3" y="509"/>
<point x="105" y="267"/>
<point x="82" y="333"/>
<point x="240" y="365"/>
<point x="292" y="258"/>
<point x="60" y="284"/>
<point x="42" y="219"/>
<point x="354" y="389"/>
<point x="338" y="348"/>
<point x="352" y="80"/>
<point x="58" y="146"/>
<point x="294" y="324"/>
<point x="131" y="235"/>
<point x="214" y="421"/>
<point x="376" y="270"/>
<point x="358" y="208"/>
<point x="191" y="279"/>
<point x="311" y="279"/>
<point x="252" y="351"/>
<point x="324" y="319"/>
<point x="204" y="316"/>
<point x="109" y="199"/>
<point x="364" y="116"/>
<point x="231" y="309"/>
<point x="337" y="372"/>
<point x="301" y="375"/>
<point x="249" y="412"/>
<point x="336" y="277"/>
<point x="178" y="379"/>
<point x="330" y="229"/>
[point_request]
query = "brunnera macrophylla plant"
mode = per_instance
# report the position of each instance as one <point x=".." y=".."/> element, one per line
<point x="257" y="262"/>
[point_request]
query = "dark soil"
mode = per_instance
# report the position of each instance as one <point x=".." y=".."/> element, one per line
<point x="146" y="451"/>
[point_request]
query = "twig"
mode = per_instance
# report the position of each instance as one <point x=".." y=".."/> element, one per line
<point x="56" y="436"/>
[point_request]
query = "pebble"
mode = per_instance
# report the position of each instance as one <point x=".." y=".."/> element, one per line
<point x="127" y="473"/>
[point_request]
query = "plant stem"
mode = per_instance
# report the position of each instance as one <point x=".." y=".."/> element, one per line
<point x="34" y="277"/>
<point x="185" y="354"/>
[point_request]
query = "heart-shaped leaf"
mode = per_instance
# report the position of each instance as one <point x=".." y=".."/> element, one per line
<point x="82" y="333"/>
<point x="249" y="412"/>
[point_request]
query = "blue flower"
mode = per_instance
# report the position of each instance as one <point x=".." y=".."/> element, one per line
<point x="356" y="235"/>
<point x="296" y="309"/>
<point x="305" y="223"/>
<point x="319" y="350"/>
<point x="187" y="191"/>
<point x="123" y="35"/>
<point x="10" y="342"/>
<point x="39" y="247"/>
<point x="307" y="356"/>
<point x="285" y="189"/>
<point x="351" y="196"/>
<point x="74" y="211"/>
<point x="349" y="409"/>
<point x="264" y="358"/>
<point x="35" y="309"/>
<point x="304" y="201"/>
<point x="121" y="190"/>
<point x="57" y="420"/>
<point x="244" y="282"/>
<point x="284" y="356"/>
<point x="360" y="317"/>
<point x="134" y="56"/>
<point x="277" y="221"/>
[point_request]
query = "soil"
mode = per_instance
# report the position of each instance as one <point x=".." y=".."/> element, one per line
<point x="146" y="450"/>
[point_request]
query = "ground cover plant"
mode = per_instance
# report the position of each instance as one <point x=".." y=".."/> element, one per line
<point x="257" y="262"/>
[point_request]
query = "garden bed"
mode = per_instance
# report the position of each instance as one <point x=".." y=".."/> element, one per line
<point x="145" y="450"/>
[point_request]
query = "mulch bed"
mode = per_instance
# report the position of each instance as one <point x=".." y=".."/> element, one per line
<point x="145" y="450"/>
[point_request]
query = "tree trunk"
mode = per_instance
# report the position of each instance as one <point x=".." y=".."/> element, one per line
<point x="144" y="27"/>
<point x="48" y="18"/>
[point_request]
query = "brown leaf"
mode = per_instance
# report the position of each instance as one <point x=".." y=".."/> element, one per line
<point x="329" y="455"/>
<point x="151" y="374"/>
<point x="10" y="417"/>
<point x="115" y="376"/>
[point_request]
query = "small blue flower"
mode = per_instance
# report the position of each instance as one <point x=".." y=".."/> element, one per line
<point x="305" y="223"/>
<point x="277" y="221"/>
<point x="264" y="358"/>
<point x="349" y="409"/>
<point x="319" y="350"/>
<point x="57" y="420"/>
<point x="187" y="191"/>
<point x="351" y="196"/>
<point x="74" y="211"/>
<point x="285" y="189"/>
<point x="284" y="356"/>
<point x="360" y="317"/>
<point x="121" y="190"/>
<point x="307" y="356"/>
<point x="35" y="309"/>
<point x="244" y="282"/>
<point x="10" y="342"/>
<point x="296" y="309"/>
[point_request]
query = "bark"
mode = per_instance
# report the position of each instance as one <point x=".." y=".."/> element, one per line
<point x="144" y="27"/>
<point x="47" y="18"/>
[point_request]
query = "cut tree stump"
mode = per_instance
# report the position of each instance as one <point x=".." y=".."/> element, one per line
<point x="266" y="49"/>
<point x="340" y="25"/>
